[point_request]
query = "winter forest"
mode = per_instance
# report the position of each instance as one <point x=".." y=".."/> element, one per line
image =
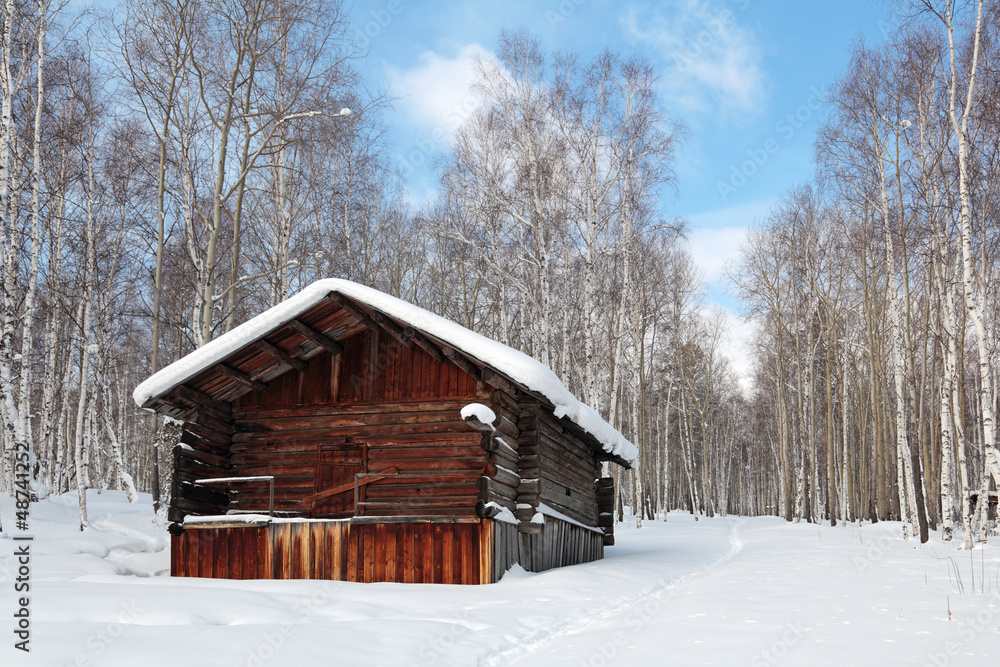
<point x="171" y="168"/>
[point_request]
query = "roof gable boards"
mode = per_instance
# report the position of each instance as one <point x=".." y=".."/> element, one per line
<point x="329" y="311"/>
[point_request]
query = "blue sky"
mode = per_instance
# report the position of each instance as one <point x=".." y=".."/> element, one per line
<point x="746" y="77"/>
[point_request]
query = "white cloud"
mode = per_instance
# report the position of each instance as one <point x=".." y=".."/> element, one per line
<point x="716" y="236"/>
<point x="436" y="94"/>
<point x="715" y="63"/>
<point x="736" y="346"/>
<point x="713" y="250"/>
<point x="714" y="242"/>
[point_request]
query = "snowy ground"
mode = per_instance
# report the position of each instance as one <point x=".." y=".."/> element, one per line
<point x="724" y="591"/>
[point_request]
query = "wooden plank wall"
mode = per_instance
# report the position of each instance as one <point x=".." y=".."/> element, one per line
<point x="372" y="368"/>
<point x="561" y="543"/>
<point x="419" y="553"/>
<point x="440" y="553"/>
<point x="222" y="553"/>
<point x="505" y="549"/>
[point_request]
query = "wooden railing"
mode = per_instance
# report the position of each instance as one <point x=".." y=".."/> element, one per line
<point x="356" y="484"/>
<point x="257" y="478"/>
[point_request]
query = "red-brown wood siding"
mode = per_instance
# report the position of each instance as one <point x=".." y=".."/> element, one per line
<point x="431" y="553"/>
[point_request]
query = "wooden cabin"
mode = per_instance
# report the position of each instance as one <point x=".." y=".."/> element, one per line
<point x="325" y="439"/>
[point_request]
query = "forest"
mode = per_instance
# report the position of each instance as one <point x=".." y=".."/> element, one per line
<point x="175" y="167"/>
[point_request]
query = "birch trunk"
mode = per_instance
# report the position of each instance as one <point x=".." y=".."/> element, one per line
<point x="960" y="124"/>
<point x="35" y="241"/>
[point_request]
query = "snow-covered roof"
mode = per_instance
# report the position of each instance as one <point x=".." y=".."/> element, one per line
<point x="519" y="367"/>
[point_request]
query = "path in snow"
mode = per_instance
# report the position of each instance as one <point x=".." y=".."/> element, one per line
<point x="801" y="594"/>
<point x="568" y="630"/>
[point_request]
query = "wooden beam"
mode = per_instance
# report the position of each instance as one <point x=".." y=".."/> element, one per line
<point x="240" y="377"/>
<point x="324" y="341"/>
<point x="204" y="405"/>
<point x="462" y="363"/>
<point x="353" y="311"/>
<point x="394" y="329"/>
<point x="473" y="421"/>
<point x="530" y="528"/>
<point x="486" y="512"/>
<point x="192" y="395"/>
<point x="276" y="352"/>
<point x="427" y="346"/>
<point x="497" y="381"/>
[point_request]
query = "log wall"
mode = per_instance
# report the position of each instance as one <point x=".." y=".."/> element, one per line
<point x="203" y="452"/>
<point x="555" y="465"/>
<point x="396" y="407"/>
<point x="413" y="438"/>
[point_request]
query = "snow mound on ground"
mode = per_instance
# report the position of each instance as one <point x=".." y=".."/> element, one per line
<point x="515" y="364"/>
<point x="121" y="538"/>
<point x="515" y="573"/>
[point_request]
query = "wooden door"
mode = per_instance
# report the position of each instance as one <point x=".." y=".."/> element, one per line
<point x="336" y="466"/>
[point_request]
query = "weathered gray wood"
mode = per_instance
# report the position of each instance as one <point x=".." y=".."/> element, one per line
<point x="486" y="512"/>
<point x="496" y="488"/>
<point x="507" y="477"/>
<point x="503" y="456"/>
<point x="530" y="528"/>
<point x="473" y="421"/>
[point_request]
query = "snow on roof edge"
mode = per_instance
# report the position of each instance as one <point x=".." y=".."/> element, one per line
<point x="518" y="366"/>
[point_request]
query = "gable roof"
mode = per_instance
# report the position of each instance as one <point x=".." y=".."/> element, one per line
<point x="229" y="352"/>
